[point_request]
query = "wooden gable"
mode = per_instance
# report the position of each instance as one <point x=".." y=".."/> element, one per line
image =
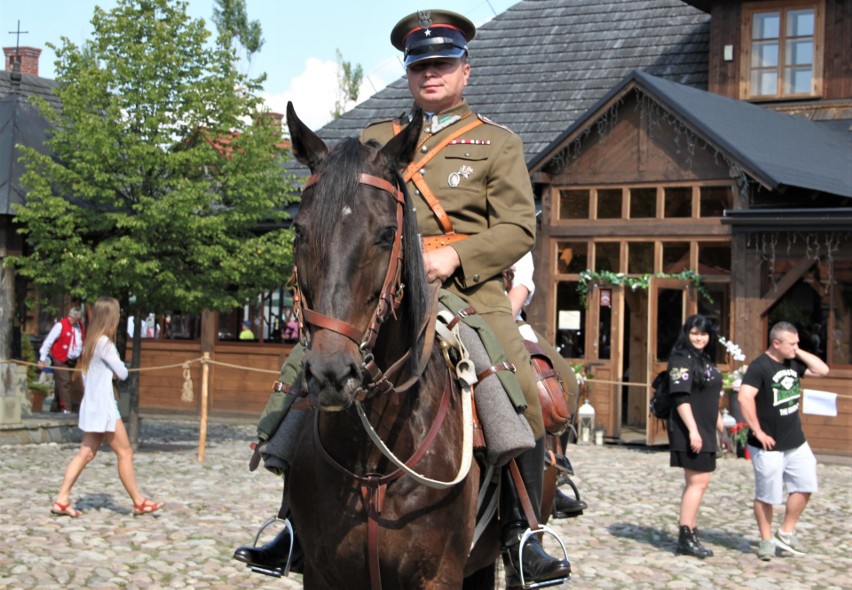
<point x="635" y="141"/>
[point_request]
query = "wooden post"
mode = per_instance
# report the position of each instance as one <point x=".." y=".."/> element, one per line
<point x="202" y="431"/>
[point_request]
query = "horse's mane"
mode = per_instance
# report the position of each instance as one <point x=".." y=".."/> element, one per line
<point x="416" y="300"/>
<point x="339" y="180"/>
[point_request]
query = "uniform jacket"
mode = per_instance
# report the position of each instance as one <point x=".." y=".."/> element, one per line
<point x="492" y="199"/>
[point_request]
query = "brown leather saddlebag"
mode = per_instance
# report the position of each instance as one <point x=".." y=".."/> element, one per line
<point x="551" y="394"/>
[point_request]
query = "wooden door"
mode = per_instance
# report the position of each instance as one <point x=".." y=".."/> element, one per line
<point x="670" y="302"/>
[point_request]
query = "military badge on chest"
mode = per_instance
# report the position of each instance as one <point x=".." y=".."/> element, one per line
<point x="455" y="177"/>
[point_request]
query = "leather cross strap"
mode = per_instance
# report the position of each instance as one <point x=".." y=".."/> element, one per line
<point x="412" y="173"/>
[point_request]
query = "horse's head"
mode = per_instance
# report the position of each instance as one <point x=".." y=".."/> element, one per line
<point x="355" y="246"/>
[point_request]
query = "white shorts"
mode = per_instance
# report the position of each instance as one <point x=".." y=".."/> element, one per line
<point x="773" y="469"/>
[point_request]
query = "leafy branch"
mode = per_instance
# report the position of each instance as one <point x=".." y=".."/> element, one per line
<point x="590" y="278"/>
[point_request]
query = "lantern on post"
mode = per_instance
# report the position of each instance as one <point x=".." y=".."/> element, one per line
<point x="587" y="422"/>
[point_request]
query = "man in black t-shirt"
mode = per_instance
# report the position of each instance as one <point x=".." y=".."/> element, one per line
<point x="769" y="399"/>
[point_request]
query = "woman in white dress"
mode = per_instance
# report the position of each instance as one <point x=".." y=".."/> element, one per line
<point x="99" y="417"/>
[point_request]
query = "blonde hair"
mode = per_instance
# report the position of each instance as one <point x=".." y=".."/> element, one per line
<point x="103" y="322"/>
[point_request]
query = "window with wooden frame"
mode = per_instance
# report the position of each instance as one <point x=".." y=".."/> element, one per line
<point x="675" y="201"/>
<point x="782" y="45"/>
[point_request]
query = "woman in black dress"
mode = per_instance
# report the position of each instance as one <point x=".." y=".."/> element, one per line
<point x="695" y="384"/>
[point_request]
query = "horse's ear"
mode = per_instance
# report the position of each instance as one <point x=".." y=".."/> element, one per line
<point x="400" y="150"/>
<point x="307" y="147"/>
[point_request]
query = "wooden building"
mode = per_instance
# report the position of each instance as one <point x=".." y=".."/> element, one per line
<point x="661" y="184"/>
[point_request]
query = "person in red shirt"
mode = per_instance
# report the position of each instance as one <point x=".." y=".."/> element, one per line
<point x="64" y="345"/>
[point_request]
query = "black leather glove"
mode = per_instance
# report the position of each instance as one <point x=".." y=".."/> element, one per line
<point x="255" y="456"/>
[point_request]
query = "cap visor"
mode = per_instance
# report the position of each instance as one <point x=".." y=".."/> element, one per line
<point x="449" y="52"/>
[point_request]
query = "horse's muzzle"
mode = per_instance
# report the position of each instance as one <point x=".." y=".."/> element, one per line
<point x="331" y="380"/>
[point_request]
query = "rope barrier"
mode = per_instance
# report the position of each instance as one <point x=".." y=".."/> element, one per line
<point x="591" y="380"/>
<point x="187" y="395"/>
<point x="182" y="365"/>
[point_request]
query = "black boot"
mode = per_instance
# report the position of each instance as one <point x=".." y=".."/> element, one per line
<point x="537" y="565"/>
<point x="564" y="506"/>
<point x="271" y="559"/>
<point x="688" y="544"/>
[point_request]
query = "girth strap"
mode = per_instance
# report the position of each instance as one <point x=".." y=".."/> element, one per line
<point x="373" y="490"/>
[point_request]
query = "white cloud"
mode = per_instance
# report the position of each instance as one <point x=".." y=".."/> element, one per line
<point x="314" y="91"/>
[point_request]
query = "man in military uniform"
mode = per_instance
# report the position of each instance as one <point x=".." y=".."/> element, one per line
<point x="476" y="214"/>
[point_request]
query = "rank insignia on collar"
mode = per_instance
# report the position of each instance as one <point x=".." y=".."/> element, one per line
<point x="436" y="123"/>
<point x="455" y="177"/>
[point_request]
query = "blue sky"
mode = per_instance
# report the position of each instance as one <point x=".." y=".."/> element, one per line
<point x="301" y="39"/>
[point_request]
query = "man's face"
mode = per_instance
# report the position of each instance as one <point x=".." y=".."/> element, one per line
<point x="437" y="84"/>
<point x="787" y="344"/>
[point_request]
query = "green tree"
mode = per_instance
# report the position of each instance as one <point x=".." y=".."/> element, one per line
<point x="349" y="80"/>
<point x="165" y="169"/>
<point x="232" y="21"/>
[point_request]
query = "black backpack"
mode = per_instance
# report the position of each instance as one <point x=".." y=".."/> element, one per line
<point x="661" y="402"/>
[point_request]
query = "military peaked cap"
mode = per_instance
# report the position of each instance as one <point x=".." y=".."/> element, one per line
<point x="430" y="34"/>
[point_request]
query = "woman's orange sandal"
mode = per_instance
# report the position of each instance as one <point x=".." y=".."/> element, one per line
<point x="146" y="507"/>
<point x="64" y="510"/>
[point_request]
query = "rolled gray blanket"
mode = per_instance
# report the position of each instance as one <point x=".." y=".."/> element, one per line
<point x="279" y="451"/>
<point x="507" y="433"/>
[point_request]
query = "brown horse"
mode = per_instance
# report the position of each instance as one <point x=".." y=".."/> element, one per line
<point x="367" y="319"/>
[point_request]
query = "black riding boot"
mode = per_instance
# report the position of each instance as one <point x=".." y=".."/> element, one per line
<point x="564" y="506"/>
<point x="271" y="558"/>
<point x="688" y="544"/>
<point x="538" y="566"/>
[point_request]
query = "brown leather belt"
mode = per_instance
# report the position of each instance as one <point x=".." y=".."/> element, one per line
<point x="429" y="243"/>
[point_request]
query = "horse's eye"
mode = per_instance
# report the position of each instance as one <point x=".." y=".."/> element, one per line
<point x="298" y="233"/>
<point x="386" y="236"/>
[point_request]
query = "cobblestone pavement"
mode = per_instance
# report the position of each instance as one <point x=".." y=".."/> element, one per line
<point x="625" y="540"/>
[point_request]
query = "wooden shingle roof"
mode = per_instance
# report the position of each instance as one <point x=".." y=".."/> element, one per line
<point x="20" y="123"/>
<point x="777" y="149"/>
<point x="539" y="65"/>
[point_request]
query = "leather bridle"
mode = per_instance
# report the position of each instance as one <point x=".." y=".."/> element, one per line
<point x="389" y="300"/>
